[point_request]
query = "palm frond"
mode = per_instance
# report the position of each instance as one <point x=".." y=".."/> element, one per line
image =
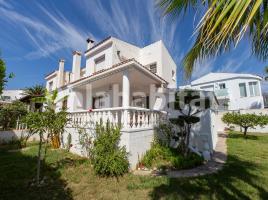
<point x="222" y="27"/>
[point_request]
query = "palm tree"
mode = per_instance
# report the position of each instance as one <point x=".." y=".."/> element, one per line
<point x="223" y="25"/>
<point x="34" y="91"/>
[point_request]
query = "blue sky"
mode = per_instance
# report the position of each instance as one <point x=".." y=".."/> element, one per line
<point x="36" y="34"/>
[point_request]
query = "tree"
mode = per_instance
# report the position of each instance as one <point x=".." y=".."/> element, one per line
<point x="37" y="90"/>
<point x="36" y="124"/>
<point x="10" y="113"/>
<point x="189" y="103"/>
<point x="222" y="27"/>
<point x="34" y="92"/>
<point x="3" y="78"/>
<point x="245" y="121"/>
<point x="47" y="122"/>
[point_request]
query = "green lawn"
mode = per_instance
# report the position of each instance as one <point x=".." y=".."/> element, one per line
<point x="245" y="176"/>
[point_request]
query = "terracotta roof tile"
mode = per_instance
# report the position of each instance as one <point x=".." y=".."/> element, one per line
<point x="117" y="65"/>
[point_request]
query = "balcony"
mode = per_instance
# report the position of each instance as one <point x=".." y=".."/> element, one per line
<point x="222" y="93"/>
<point x="126" y="118"/>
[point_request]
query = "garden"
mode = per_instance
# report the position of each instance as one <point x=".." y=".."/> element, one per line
<point x="66" y="176"/>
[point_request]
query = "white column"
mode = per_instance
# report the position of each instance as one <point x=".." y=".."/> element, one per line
<point x="152" y="97"/>
<point x="126" y="89"/>
<point x="71" y="101"/>
<point x="89" y="103"/>
<point x="125" y="95"/>
<point x="115" y="95"/>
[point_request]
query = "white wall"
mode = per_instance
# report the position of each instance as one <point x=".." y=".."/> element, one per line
<point x="90" y="60"/>
<point x="7" y="136"/>
<point x="13" y="94"/>
<point x="137" y="142"/>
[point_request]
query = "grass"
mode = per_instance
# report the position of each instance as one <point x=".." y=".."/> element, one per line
<point x="245" y="176"/>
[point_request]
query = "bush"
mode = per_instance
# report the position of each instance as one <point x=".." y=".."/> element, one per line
<point x="108" y="158"/>
<point x="181" y="162"/>
<point x="10" y="113"/>
<point x="159" y="155"/>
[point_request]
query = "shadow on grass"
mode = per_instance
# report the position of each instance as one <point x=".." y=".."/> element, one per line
<point x="240" y="135"/>
<point x="222" y="185"/>
<point x="18" y="172"/>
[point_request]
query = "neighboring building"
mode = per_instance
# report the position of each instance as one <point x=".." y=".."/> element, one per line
<point x="122" y="83"/>
<point x="234" y="91"/>
<point x="8" y="96"/>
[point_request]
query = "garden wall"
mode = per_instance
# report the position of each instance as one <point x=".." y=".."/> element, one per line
<point x="10" y="135"/>
<point x="136" y="141"/>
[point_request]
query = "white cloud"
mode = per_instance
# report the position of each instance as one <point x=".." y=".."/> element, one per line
<point x="202" y="68"/>
<point x="47" y="36"/>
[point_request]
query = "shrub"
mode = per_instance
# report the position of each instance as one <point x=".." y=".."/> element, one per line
<point x="107" y="157"/>
<point x="10" y="113"/>
<point x="159" y="155"/>
<point x="181" y="162"/>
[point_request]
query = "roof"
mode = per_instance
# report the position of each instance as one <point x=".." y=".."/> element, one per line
<point x="213" y="77"/>
<point x="50" y="73"/>
<point x="102" y="41"/>
<point x="118" y="65"/>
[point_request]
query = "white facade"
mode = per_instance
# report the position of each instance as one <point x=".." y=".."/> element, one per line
<point x="124" y="84"/>
<point x="9" y="96"/>
<point x="233" y="91"/>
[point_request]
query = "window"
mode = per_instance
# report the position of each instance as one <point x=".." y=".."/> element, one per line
<point x="254" y="89"/>
<point x="50" y="86"/>
<point x="243" y="90"/>
<point x="222" y="86"/>
<point x="152" y="68"/>
<point x="173" y="75"/>
<point x="99" y="63"/>
<point x="98" y="102"/>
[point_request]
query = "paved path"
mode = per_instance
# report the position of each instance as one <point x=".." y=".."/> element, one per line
<point x="216" y="163"/>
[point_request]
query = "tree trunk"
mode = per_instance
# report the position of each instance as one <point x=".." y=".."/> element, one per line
<point x="245" y="131"/>
<point x="39" y="159"/>
<point x="55" y="139"/>
<point x="188" y="128"/>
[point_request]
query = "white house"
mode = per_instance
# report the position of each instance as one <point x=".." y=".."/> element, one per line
<point x="9" y="96"/>
<point x="122" y="83"/>
<point x="234" y="91"/>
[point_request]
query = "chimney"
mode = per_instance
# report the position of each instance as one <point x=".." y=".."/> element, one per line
<point x="76" y="65"/>
<point x="61" y="73"/>
<point x="90" y="43"/>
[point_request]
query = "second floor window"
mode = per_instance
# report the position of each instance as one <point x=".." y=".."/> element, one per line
<point x="153" y="68"/>
<point x="99" y="63"/>
<point x="50" y="86"/>
<point x="222" y="85"/>
<point x="254" y="89"/>
<point x="243" y="90"/>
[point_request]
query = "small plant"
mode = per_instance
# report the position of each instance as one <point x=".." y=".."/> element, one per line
<point x="245" y="121"/>
<point x="109" y="159"/>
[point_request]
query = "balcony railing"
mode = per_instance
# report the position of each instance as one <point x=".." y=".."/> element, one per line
<point x="132" y="117"/>
<point x="221" y="92"/>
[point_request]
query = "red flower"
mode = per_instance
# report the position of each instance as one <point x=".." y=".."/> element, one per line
<point x="90" y="110"/>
